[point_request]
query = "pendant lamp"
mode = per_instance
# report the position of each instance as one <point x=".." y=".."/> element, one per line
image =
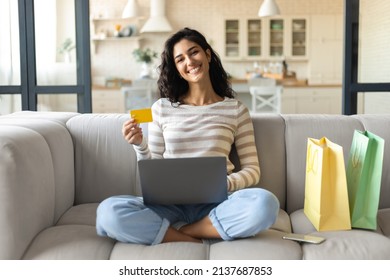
<point x="157" y="21"/>
<point x="131" y="9"/>
<point x="269" y="8"/>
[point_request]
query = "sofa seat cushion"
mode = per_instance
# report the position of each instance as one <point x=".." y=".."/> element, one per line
<point x="349" y="245"/>
<point x="164" y="251"/>
<point x="300" y="223"/>
<point x="267" y="245"/>
<point x="69" y="242"/>
<point x="83" y="214"/>
<point x="283" y="222"/>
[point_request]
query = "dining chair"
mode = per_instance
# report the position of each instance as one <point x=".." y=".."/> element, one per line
<point x="141" y="94"/>
<point x="266" y="98"/>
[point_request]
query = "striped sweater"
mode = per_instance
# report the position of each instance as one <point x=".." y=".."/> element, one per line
<point x="200" y="131"/>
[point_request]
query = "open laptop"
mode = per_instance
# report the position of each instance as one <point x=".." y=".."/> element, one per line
<point x="183" y="180"/>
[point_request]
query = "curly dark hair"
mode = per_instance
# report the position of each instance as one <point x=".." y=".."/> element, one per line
<point x="170" y="83"/>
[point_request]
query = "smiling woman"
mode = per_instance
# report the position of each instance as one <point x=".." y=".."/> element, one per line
<point x="197" y="116"/>
<point x="185" y="51"/>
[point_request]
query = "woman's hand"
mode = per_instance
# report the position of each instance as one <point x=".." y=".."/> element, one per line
<point x="132" y="132"/>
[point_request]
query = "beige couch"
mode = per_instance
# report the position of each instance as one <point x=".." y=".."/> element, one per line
<point x="56" y="167"/>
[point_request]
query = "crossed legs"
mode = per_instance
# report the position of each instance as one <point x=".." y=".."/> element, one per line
<point x="245" y="213"/>
<point x="192" y="232"/>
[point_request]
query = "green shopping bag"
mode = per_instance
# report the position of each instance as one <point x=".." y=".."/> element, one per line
<point x="364" y="174"/>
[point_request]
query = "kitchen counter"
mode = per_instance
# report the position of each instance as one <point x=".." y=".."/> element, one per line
<point x="298" y="97"/>
<point x="285" y="83"/>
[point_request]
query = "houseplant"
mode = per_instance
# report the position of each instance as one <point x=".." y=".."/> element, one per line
<point x="145" y="57"/>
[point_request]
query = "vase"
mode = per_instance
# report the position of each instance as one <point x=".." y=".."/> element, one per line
<point x="67" y="57"/>
<point x="145" y="70"/>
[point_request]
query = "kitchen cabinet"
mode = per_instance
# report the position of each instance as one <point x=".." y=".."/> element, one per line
<point x="288" y="37"/>
<point x="114" y="30"/>
<point x="276" y="38"/>
<point x="243" y="39"/>
<point x="326" y="55"/>
<point x="312" y="100"/>
<point x="107" y="100"/>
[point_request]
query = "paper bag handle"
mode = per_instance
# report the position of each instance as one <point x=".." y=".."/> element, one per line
<point x="311" y="160"/>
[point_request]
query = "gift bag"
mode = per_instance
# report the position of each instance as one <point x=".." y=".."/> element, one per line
<point x="326" y="194"/>
<point x="364" y="174"/>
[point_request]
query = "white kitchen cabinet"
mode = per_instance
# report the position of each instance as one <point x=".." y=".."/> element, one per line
<point x="326" y="57"/>
<point x="275" y="38"/>
<point x="287" y="37"/>
<point x="107" y="100"/>
<point x="312" y="100"/>
<point x="243" y="39"/>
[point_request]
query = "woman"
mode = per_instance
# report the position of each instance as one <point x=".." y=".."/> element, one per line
<point x="196" y="116"/>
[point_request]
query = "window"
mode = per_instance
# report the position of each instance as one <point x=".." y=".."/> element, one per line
<point x="45" y="56"/>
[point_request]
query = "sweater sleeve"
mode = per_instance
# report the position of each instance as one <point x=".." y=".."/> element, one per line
<point x="152" y="146"/>
<point x="246" y="149"/>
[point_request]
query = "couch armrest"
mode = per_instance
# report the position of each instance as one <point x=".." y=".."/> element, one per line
<point x="26" y="189"/>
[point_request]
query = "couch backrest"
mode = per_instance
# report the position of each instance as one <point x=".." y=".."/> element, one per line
<point x="338" y="129"/>
<point x="105" y="164"/>
<point x="103" y="158"/>
<point x="269" y="136"/>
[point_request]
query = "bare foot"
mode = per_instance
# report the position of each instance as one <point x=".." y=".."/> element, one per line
<point x="201" y="229"/>
<point x="173" y="235"/>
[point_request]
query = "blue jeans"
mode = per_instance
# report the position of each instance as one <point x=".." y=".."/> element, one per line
<point x="245" y="213"/>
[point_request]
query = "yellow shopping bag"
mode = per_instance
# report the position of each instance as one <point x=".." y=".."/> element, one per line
<point x="326" y="194"/>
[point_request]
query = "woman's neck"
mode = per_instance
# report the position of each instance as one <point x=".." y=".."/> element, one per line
<point x="198" y="95"/>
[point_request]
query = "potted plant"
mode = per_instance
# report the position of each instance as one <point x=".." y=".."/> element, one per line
<point x="66" y="47"/>
<point x="146" y="57"/>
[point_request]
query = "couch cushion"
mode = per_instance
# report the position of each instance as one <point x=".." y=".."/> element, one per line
<point x="267" y="245"/>
<point x="269" y="136"/>
<point x="70" y="242"/>
<point x="338" y="129"/>
<point x="349" y="245"/>
<point x="105" y="163"/>
<point x="357" y="243"/>
<point x="282" y="222"/>
<point x="165" y="251"/>
<point x="82" y="214"/>
<point x="26" y="189"/>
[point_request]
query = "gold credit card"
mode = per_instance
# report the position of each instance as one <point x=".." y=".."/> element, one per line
<point x="142" y="115"/>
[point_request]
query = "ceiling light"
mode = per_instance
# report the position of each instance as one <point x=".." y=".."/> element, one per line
<point x="269" y="8"/>
<point x="157" y="21"/>
<point x="131" y="9"/>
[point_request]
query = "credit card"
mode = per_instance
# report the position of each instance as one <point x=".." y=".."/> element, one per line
<point x="142" y="115"/>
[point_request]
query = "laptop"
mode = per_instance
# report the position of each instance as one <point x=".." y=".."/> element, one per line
<point x="183" y="180"/>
